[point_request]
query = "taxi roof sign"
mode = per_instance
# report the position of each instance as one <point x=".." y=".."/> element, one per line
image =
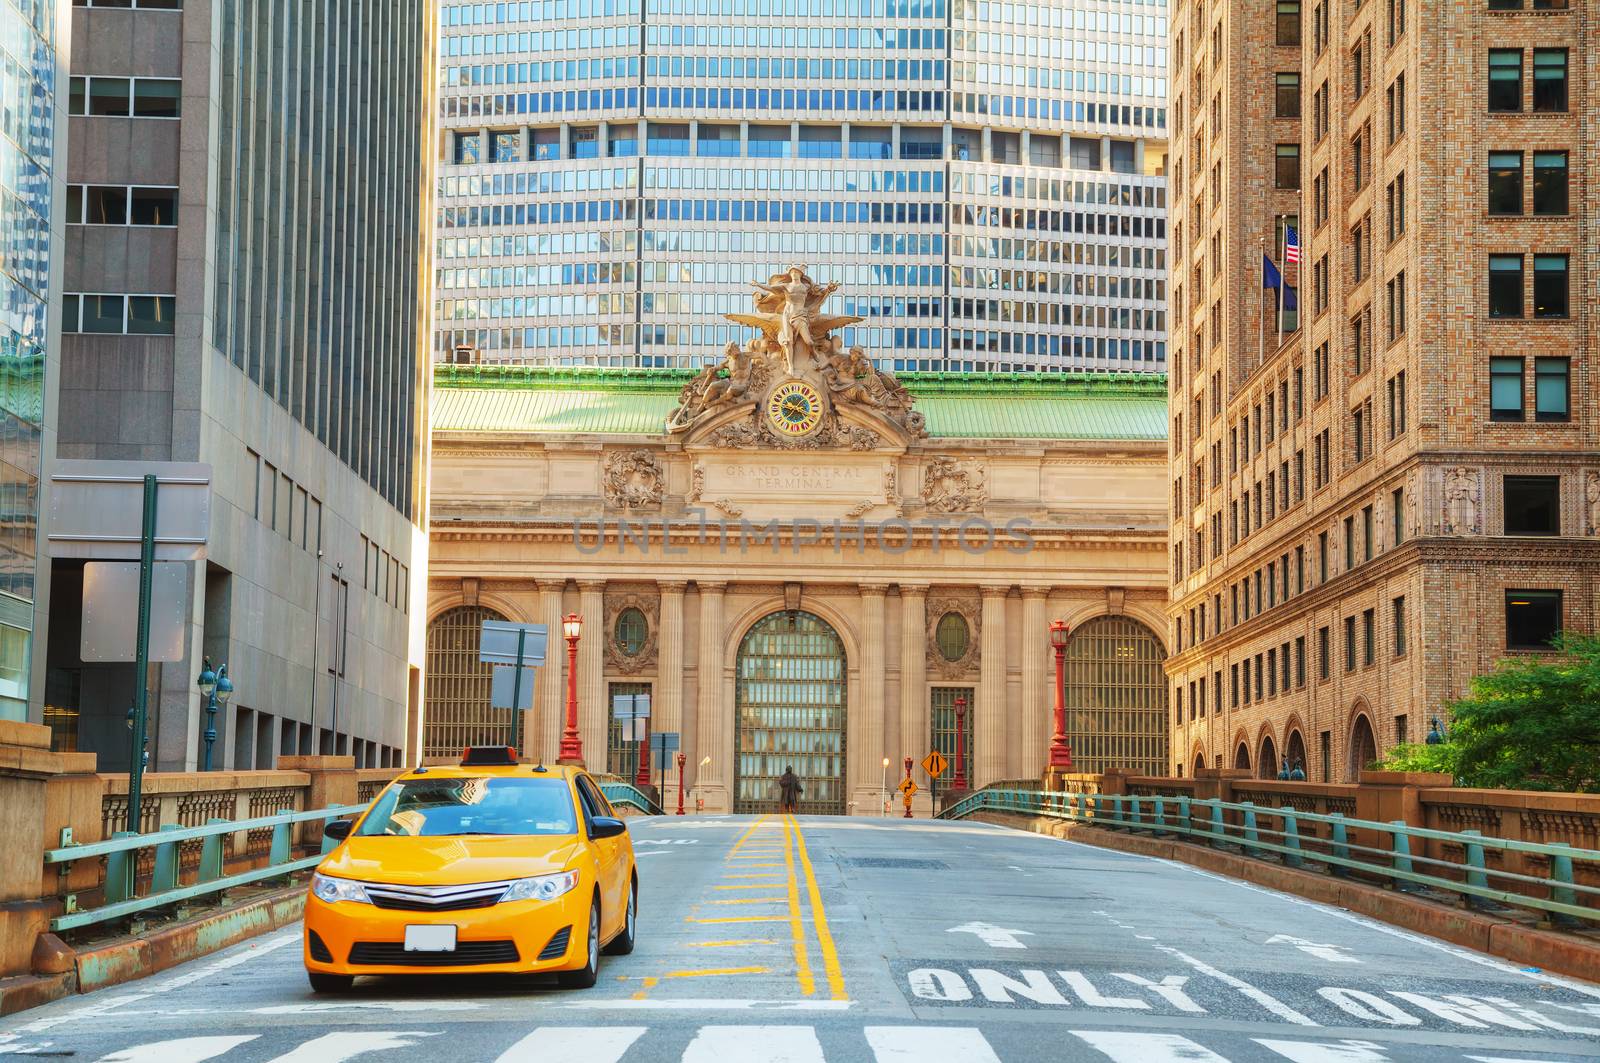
<point x="485" y="756"/>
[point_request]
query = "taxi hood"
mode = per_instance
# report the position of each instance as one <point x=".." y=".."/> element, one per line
<point x="450" y="861"/>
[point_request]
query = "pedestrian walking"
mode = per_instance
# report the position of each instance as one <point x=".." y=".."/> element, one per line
<point x="789" y="789"/>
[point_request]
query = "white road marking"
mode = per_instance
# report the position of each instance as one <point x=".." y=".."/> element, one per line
<point x="710" y="1005"/>
<point x="312" y="1007"/>
<point x="1266" y="1000"/>
<point x="1540" y="1020"/>
<point x="1510" y="1059"/>
<point x="1327" y="1051"/>
<point x="1129" y="1047"/>
<point x="1170" y="989"/>
<point x="592" y="1044"/>
<point x="935" y="983"/>
<point x="1462" y="1010"/>
<point x="181" y="1050"/>
<point x="920" y="1044"/>
<point x="1330" y="953"/>
<point x="1032" y="985"/>
<point x="998" y="937"/>
<point x="1093" y="998"/>
<point x="1368" y="1007"/>
<point x="338" y="1047"/>
<point x="771" y="1044"/>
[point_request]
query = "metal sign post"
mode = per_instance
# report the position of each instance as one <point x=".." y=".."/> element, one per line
<point x="520" y="646"/>
<point x="141" y="666"/>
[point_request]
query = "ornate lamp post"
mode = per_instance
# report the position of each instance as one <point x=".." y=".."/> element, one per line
<point x="1060" y="751"/>
<point x="218" y="690"/>
<point x="959" y="781"/>
<point x="571" y="743"/>
<point x="641" y="778"/>
<point x="682" y="760"/>
<point x="908" y="796"/>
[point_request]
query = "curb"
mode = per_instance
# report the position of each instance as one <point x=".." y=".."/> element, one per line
<point x="1566" y="954"/>
<point x="30" y="990"/>
<point x="135" y="957"/>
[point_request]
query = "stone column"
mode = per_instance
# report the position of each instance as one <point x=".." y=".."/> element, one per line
<point x="713" y="735"/>
<point x="550" y="694"/>
<point x="916" y="729"/>
<point x="666" y="711"/>
<point x="989" y="734"/>
<point x="1036" y="714"/>
<point x="593" y="710"/>
<point x="866" y="759"/>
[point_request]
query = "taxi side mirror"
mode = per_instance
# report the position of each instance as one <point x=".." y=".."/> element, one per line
<point x="337" y="830"/>
<point x="606" y="827"/>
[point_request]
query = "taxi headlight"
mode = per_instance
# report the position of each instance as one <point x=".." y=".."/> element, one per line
<point x="541" y="887"/>
<point x="329" y="890"/>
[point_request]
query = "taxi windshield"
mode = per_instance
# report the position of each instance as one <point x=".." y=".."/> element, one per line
<point x="446" y="806"/>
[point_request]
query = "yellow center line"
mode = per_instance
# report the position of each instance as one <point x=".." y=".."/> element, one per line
<point x="742" y="919"/>
<point x="647" y="984"/>
<point x="752" y="900"/>
<point x="730" y="944"/>
<point x="711" y="972"/>
<point x="749" y="886"/>
<point x="797" y="931"/>
<point x="819" y="918"/>
<point x="772" y="876"/>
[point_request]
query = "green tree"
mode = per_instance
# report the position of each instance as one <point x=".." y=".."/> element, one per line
<point x="1531" y="724"/>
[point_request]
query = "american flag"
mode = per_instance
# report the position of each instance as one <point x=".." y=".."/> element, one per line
<point x="1291" y="246"/>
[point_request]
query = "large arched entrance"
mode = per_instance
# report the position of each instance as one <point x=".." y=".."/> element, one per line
<point x="1363" y="747"/>
<point x="458" y="686"/>
<point x="1267" y="763"/>
<point x="789" y="703"/>
<point x="1116" y="697"/>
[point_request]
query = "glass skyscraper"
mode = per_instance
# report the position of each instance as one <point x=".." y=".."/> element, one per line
<point x="28" y="64"/>
<point x="985" y="180"/>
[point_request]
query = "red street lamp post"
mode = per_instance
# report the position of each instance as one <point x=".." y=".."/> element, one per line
<point x="571" y="743"/>
<point x="959" y="781"/>
<point x="908" y="779"/>
<point x="1060" y="751"/>
<point x="641" y="778"/>
<point x="682" y="760"/>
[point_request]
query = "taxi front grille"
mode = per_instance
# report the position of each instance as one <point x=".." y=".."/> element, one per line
<point x="558" y="944"/>
<point x="436" y="898"/>
<point x="466" y="954"/>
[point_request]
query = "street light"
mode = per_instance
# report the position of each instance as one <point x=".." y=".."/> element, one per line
<point x="218" y="690"/>
<point x="883" y="787"/>
<point x="959" y="781"/>
<point x="1060" y="751"/>
<point x="571" y="743"/>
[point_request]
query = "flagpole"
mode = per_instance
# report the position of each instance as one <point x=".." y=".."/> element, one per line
<point x="1261" y="320"/>
<point x="1283" y="276"/>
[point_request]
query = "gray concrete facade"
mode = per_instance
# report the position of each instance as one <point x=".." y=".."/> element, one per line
<point x="277" y="168"/>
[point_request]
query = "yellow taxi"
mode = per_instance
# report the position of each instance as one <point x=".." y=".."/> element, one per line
<point x="492" y="866"/>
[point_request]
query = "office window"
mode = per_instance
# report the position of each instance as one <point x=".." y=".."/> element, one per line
<point x="1505" y="79"/>
<point x="1287" y="174"/>
<point x="1358" y="69"/>
<point x="1369" y="625"/>
<point x="1552" y="389"/>
<point x="508" y="145"/>
<point x="1358" y="435"/>
<point x="1550" y="292"/>
<point x="97" y="204"/>
<point x="1358" y="159"/>
<point x="1287" y="97"/>
<point x="1288" y="22"/>
<point x="1505" y="182"/>
<point x="1349" y="643"/>
<point x="1397" y="306"/>
<point x="1359" y="341"/>
<point x="468" y="148"/>
<point x="1300" y="662"/>
<point x="1533" y="619"/>
<point x="1532" y="505"/>
<point x="1319" y="113"/>
<point x="1322" y="557"/>
<point x="1397" y="516"/>
<point x="1324" y="654"/>
<point x="134" y="315"/>
<point x="1366" y="533"/>
<point x="1505" y="285"/>
<point x="1549" y="79"/>
<point x="1349" y="543"/>
<point x="1233" y="686"/>
<point x="1396" y="101"/>
<point x="1397" y="619"/>
<point x="1397" y="405"/>
<point x="1319" y="372"/>
<point x="1395" y="200"/>
<point x="1319" y="28"/>
<point x="1397" y="20"/>
<point x="1550" y="182"/>
<point x="1505" y="389"/>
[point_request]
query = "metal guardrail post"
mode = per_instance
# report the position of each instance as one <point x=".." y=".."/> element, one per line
<point x="120" y="869"/>
<point x="1291" y="838"/>
<point x="165" y="875"/>
<point x="1185" y="824"/>
<point x="1561" y="872"/>
<point x="1477" y="874"/>
<point x="1341" y="845"/>
<point x="282" y="842"/>
<point x="1161" y="815"/>
<point x="1219" y="828"/>
<point x="1250" y="835"/>
<point x="1402" y="856"/>
<point x="211" y="854"/>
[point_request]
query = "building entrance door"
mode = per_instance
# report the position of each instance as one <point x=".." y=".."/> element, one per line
<point x="789" y="701"/>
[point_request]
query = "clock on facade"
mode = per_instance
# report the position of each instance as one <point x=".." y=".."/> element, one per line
<point x="794" y="408"/>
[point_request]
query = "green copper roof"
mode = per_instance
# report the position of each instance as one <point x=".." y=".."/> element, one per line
<point x="1114" y="406"/>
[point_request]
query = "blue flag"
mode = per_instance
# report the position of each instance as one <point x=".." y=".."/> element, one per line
<point x="1271" y="278"/>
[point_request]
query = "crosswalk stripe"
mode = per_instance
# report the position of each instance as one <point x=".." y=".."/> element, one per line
<point x="919" y="1044"/>
<point x="592" y="1044"/>
<point x="181" y="1050"/>
<point x="338" y="1047"/>
<point x="1326" y="1051"/>
<point x="770" y="1044"/>
<point x="1130" y="1047"/>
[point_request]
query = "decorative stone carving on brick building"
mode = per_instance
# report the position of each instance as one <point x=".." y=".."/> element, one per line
<point x="619" y="600"/>
<point x="1460" y="501"/>
<point x="1413" y="503"/>
<point x="951" y="486"/>
<point x="970" y="609"/>
<point x="1591" y="503"/>
<point x="634" y="479"/>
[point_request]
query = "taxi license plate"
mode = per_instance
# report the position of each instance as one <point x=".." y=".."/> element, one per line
<point x="430" y="938"/>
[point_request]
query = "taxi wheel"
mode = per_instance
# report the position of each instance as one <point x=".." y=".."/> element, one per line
<point x="586" y="976"/>
<point x="330" y="983"/>
<point x="622" y="944"/>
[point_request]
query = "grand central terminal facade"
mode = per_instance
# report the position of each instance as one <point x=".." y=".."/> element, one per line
<point x="805" y="562"/>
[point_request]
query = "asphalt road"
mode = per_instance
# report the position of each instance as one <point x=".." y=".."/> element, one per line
<point x="777" y="939"/>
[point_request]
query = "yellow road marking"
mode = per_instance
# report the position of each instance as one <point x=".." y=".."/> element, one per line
<point x="757" y="865"/>
<point x="751" y="886"/>
<point x="647" y="984"/>
<point x="730" y="944"/>
<point x="797" y="932"/>
<point x="742" y="919"/>
<point x="752" y="876"/>
<point x="752" y="900"/>
<point x="819" y="918"/>
<point x="712" y="972"/>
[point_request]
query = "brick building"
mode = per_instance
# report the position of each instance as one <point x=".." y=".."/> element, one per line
<point x="1406" y="488"/>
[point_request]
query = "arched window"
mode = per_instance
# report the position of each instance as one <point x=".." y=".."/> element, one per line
<point x="1267" y="763"/>
<point x="1363" y="747"/>
<point x="1241" y="757"/>
<point x="1116" y="697"/>
<point x="458" y="685"/>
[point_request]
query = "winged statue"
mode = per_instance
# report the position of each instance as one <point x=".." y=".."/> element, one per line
<point x="788" y="308"/>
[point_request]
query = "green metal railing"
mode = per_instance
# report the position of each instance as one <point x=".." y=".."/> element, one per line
<point x="622" y="793"/>
<point x="121" y="853"/>
<point x="1395" y="853"/>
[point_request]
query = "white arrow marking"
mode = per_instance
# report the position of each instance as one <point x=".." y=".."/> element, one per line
<point x="1330" y="953"/>
<point x="338" y="1047"/>
<point x="182" y="1050"/>
<point x="994" y="936"/>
